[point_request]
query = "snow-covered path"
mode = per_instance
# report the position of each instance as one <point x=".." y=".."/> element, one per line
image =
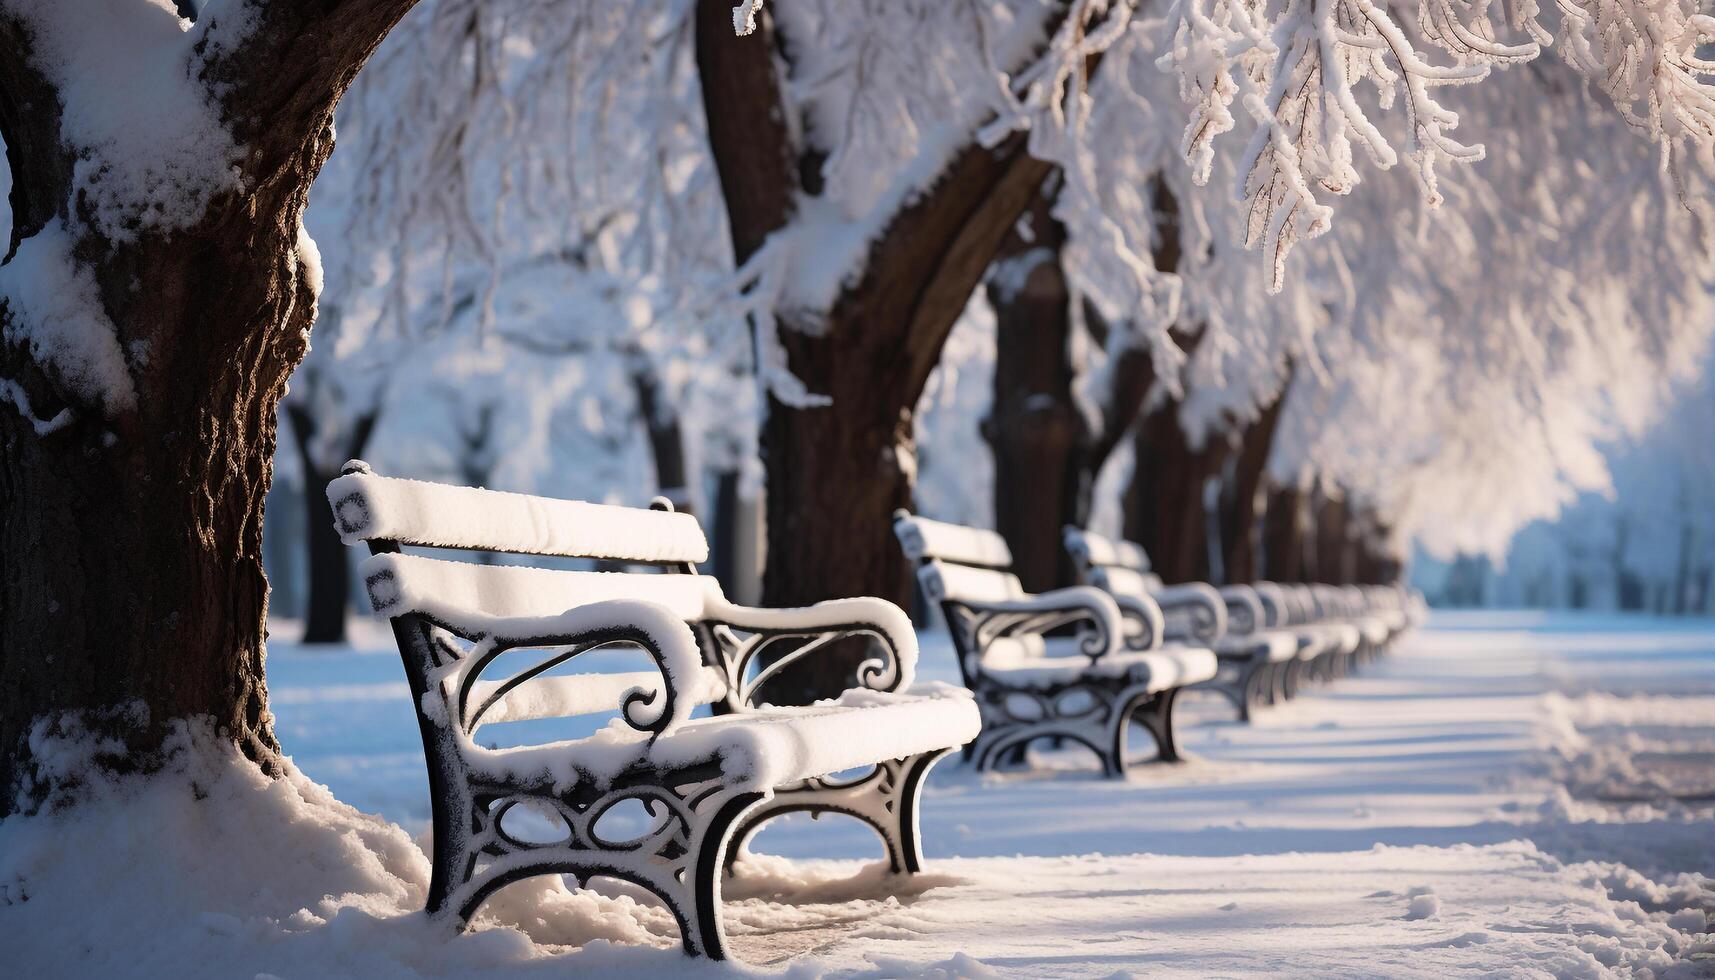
<point x="1500" y="763"/>
<point x="1510" y="795"/>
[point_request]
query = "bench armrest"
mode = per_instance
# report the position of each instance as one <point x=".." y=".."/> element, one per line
<point x="1245" y="613"/>
<point x="647" y="626"/>
<point x="1144" y="624"/>
<point x="1273" y="599"/>
<point x="1194" y="612"/>
<point x="1037" y="614"/>
<point x="812" y="627"/>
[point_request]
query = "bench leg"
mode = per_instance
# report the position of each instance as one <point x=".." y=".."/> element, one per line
<point x="700" y="927"/>
<point x="1156" y="714"/>
<point x="452" y="861"/>
<point x="681" y="863"/>
<point x="1256" y="689"/>
<point x="886" y="799"/>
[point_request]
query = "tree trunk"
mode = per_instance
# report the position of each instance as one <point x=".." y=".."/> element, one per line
<point x="1164" y="504"/>
<point x="835" y="474"/>
<point x="328" y="568"/>
<point x="1040" y="440"/>
<point x="1284" y="535"/>
<point x="133" y="592"/>
<point x="1244" y="499"/>
<point x="666" y="436"/>
<point x="1331" y="551"/>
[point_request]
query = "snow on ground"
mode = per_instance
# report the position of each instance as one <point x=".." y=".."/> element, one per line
<point x="1510" y="795"/>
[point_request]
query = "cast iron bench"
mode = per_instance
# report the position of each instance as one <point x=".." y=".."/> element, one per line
<point x="1031" y="684"/>
<point x="1231" y="620"/>
<point x="480" y="641"/>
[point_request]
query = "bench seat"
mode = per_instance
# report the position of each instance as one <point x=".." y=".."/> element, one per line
<point x="1272" y="646"/>
<point x="1316" y="639"/>
<point x="1019" y="662"/>
<point x="1374" y="629"/>
<point x="764" y="749"/>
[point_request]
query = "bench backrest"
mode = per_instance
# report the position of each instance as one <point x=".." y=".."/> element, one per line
<point x="1118" y="567"/>
<point x="955" y="562"/>
<point x="463" y="597"/>
<point x="369" y="508"/>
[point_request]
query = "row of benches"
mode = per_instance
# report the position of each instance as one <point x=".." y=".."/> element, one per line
<point x="481" y="643"/>
<point x="1083" y="663"/>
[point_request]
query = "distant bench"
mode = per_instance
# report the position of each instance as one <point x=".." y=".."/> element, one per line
<point x="708" y="782"/>
<point x="1271" y="639"/>
<point x="1032" y="683"/>
<point x="1231" y="620"/>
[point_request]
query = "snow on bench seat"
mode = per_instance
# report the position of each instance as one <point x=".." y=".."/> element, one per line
<point x="1342" y="638"/>
<point x="1017" y="661"/>
<point x="1274" y="646"/>
<point x="1374" y="630"/>
<point x="758" y="750"/>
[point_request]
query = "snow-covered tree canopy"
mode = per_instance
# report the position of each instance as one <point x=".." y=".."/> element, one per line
<point x="1497" y="337"/>
<point x="526" y="185"/>
<point x="1479" y="350"/>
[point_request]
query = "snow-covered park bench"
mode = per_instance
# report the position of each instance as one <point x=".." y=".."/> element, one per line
<point x="480" y="643"/>
<point x="1231" y="620"/>
<point x="1030" y="682"/>
<point x="1338" y="627"/>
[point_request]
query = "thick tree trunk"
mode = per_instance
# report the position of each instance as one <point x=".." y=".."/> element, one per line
<point x="1164" y="504"/>
<point x="666" y="437"/>
<point x="1284" y="530"/>
<point x="1165" y="508"/>
<point x="328" y="565"/>
<point x="835" y="474"/>
<point x="1244" y="499"/>
<point x="133" y="592"/>
<point x="1040" y="440"/>
<point x="1332" y="544"/>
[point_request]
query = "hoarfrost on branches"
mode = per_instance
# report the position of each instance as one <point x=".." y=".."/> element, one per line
<point x="1294" y="68"/>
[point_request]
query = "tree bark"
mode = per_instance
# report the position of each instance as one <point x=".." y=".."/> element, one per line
<point x="666" y="436"/>
<point x="1283" y="537"/>
<point x="133" y="592"/>
<point x="1165" y="509"/>
<point x="1040" y="440"/>
<point x="329" y="563"/>
<point x="1163" y="505"/>
<point x="1332" y="520"/>
<point x="1244" y="499"/>
<point x="836" y="474"/>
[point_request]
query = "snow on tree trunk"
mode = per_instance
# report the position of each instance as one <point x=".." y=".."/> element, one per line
<point x="137" y="440"/>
